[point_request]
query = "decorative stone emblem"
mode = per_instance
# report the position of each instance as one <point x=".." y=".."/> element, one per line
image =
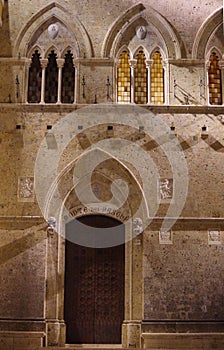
<point x="141" y="32"/>
<point x="53" y="31"/>
<point x="166" y="188"/>
<point x="137" y="226"/>
<point x="26" y="189"/>
<point x="165" y="237"/>
<point x="52" y="226"/>
<point x="214" y="237"/>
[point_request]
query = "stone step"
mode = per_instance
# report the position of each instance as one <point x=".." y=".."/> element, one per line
<point x="75" y="347"/>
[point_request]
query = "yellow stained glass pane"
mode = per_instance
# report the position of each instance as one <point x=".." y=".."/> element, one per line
<point x="214" y="81"/>
<point x="140" y="87"/>
<point x="124" y="79"/>
<point x="157" y="80"/>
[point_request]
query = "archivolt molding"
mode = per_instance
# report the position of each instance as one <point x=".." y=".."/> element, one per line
<point x="205" y="32"/>
<point x="42" y="19"/>
<point x="35" y="48"/>
<point x="49" y="49"/>
<point x="154" y="50"/>
<point x="116" y="27"/>
<point x="68" y="168"/>
<point x="132" y="18"/>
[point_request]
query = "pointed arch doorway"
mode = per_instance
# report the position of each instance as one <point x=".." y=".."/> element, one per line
<point x="94" y="285"/>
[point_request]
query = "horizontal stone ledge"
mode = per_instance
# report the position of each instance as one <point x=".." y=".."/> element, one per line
<point x="157" y="109"/>
<point x="21" y="334"/>
<point x="177" y="326"/>
<point x="185" y="341"/>
<point x="11" y="325"/>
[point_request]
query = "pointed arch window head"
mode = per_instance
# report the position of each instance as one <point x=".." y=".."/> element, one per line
<point x="157" y="79"/>
<point x="124" y="79"/>
<point x="140" y="87"/>
<point x="51" y="82"/>
<point x="214" y="81"/>
<point x="34" y="80"/>
<point x="68" y="79"/>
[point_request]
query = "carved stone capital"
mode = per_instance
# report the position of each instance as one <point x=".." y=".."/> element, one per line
<point x="148" y="63"/>
<point x="133" y="63"/>
<point x="60" y="62"/>
<point x="43" y="62"/>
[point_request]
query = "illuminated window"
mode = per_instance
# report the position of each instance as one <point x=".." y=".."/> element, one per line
<point x="157" y="80"/>
<point x="214" y="81"/>
<point x="140" y="87"/>
<point x="34" y="82"/>
<point x="68" y="79"/>
<point x="124" y="79"/>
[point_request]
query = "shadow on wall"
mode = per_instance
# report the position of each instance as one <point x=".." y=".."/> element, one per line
<point x="6" y="71"/>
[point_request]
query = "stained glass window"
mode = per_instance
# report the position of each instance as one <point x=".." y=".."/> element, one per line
<point x="124" y="79"/>
<point x="157" y="80"/>
<point x="214" y="81"/>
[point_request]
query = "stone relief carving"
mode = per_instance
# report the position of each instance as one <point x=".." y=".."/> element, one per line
<point x="165" y="237"/>
<point x="141" y="32"/>
<point x="53" y="30"/>
<point x="51" y="226"/>
<point x="26" y="189"/>
<point x="137" y="226"/>
<point x="166" y="189"/>
<point x="214" y="237"/>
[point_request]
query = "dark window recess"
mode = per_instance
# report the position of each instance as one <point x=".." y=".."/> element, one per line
<point x="34" y="81"/>
<point x="68" y="79"/>
<point x="51" y="82"/>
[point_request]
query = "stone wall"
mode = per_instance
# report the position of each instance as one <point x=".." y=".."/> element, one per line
<point x="174" y="277"/>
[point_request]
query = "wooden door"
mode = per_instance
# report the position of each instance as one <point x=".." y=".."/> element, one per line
<point x="94" y="289"/>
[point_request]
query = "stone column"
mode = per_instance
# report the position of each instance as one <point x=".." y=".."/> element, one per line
<point x="207" y="65"/>
<point x="27" y="67"/>
<point x="148" y="67"/>
<point x="60" y="63"/>
<point x="43" y="62"/>
<point x="76" y="65"/>
<point x="166" y="79"/>
<point x="133" y="64"/>
<point x="131" y="327"/>
<point x="221" y="66"/>
<point x="55" y="327"/>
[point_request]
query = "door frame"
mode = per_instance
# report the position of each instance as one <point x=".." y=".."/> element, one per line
<point x="133" y="293"/>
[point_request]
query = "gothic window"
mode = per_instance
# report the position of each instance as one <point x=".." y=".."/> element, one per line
<point x="68" y="79"/>
<point x="51" y="82"/>
<point x="34" y="81"/>
<point x="140" y="86"/>
<point x="214" y="81"/>
<point x="157" y="80"/>
<point x="124" y="79"/>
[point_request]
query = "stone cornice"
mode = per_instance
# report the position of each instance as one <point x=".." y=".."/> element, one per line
<point x="67" y="108"/>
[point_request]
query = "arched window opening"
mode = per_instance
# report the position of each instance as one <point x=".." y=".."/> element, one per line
<point x="140" y="88"/>
<point x="214" y="81"/>
<point x="34" y="80"/>
<point x="124" y="79"/>
<point x="68" y="79"/>
<point x="51" y="82"/>
<point x="157" y="80"/>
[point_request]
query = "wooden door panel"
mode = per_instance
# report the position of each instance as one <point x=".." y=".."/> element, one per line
<point x="94" y="293"/>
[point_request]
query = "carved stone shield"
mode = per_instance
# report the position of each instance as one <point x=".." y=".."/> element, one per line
<point x="53" y="31"/>
<point x="141" y="32"/>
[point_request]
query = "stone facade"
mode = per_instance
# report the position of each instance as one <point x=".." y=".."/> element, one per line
<point x="157" y="168"/>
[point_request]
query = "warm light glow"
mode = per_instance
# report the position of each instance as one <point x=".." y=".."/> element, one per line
<point x="157" y="84"/>
<point x="123" y="79"/>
